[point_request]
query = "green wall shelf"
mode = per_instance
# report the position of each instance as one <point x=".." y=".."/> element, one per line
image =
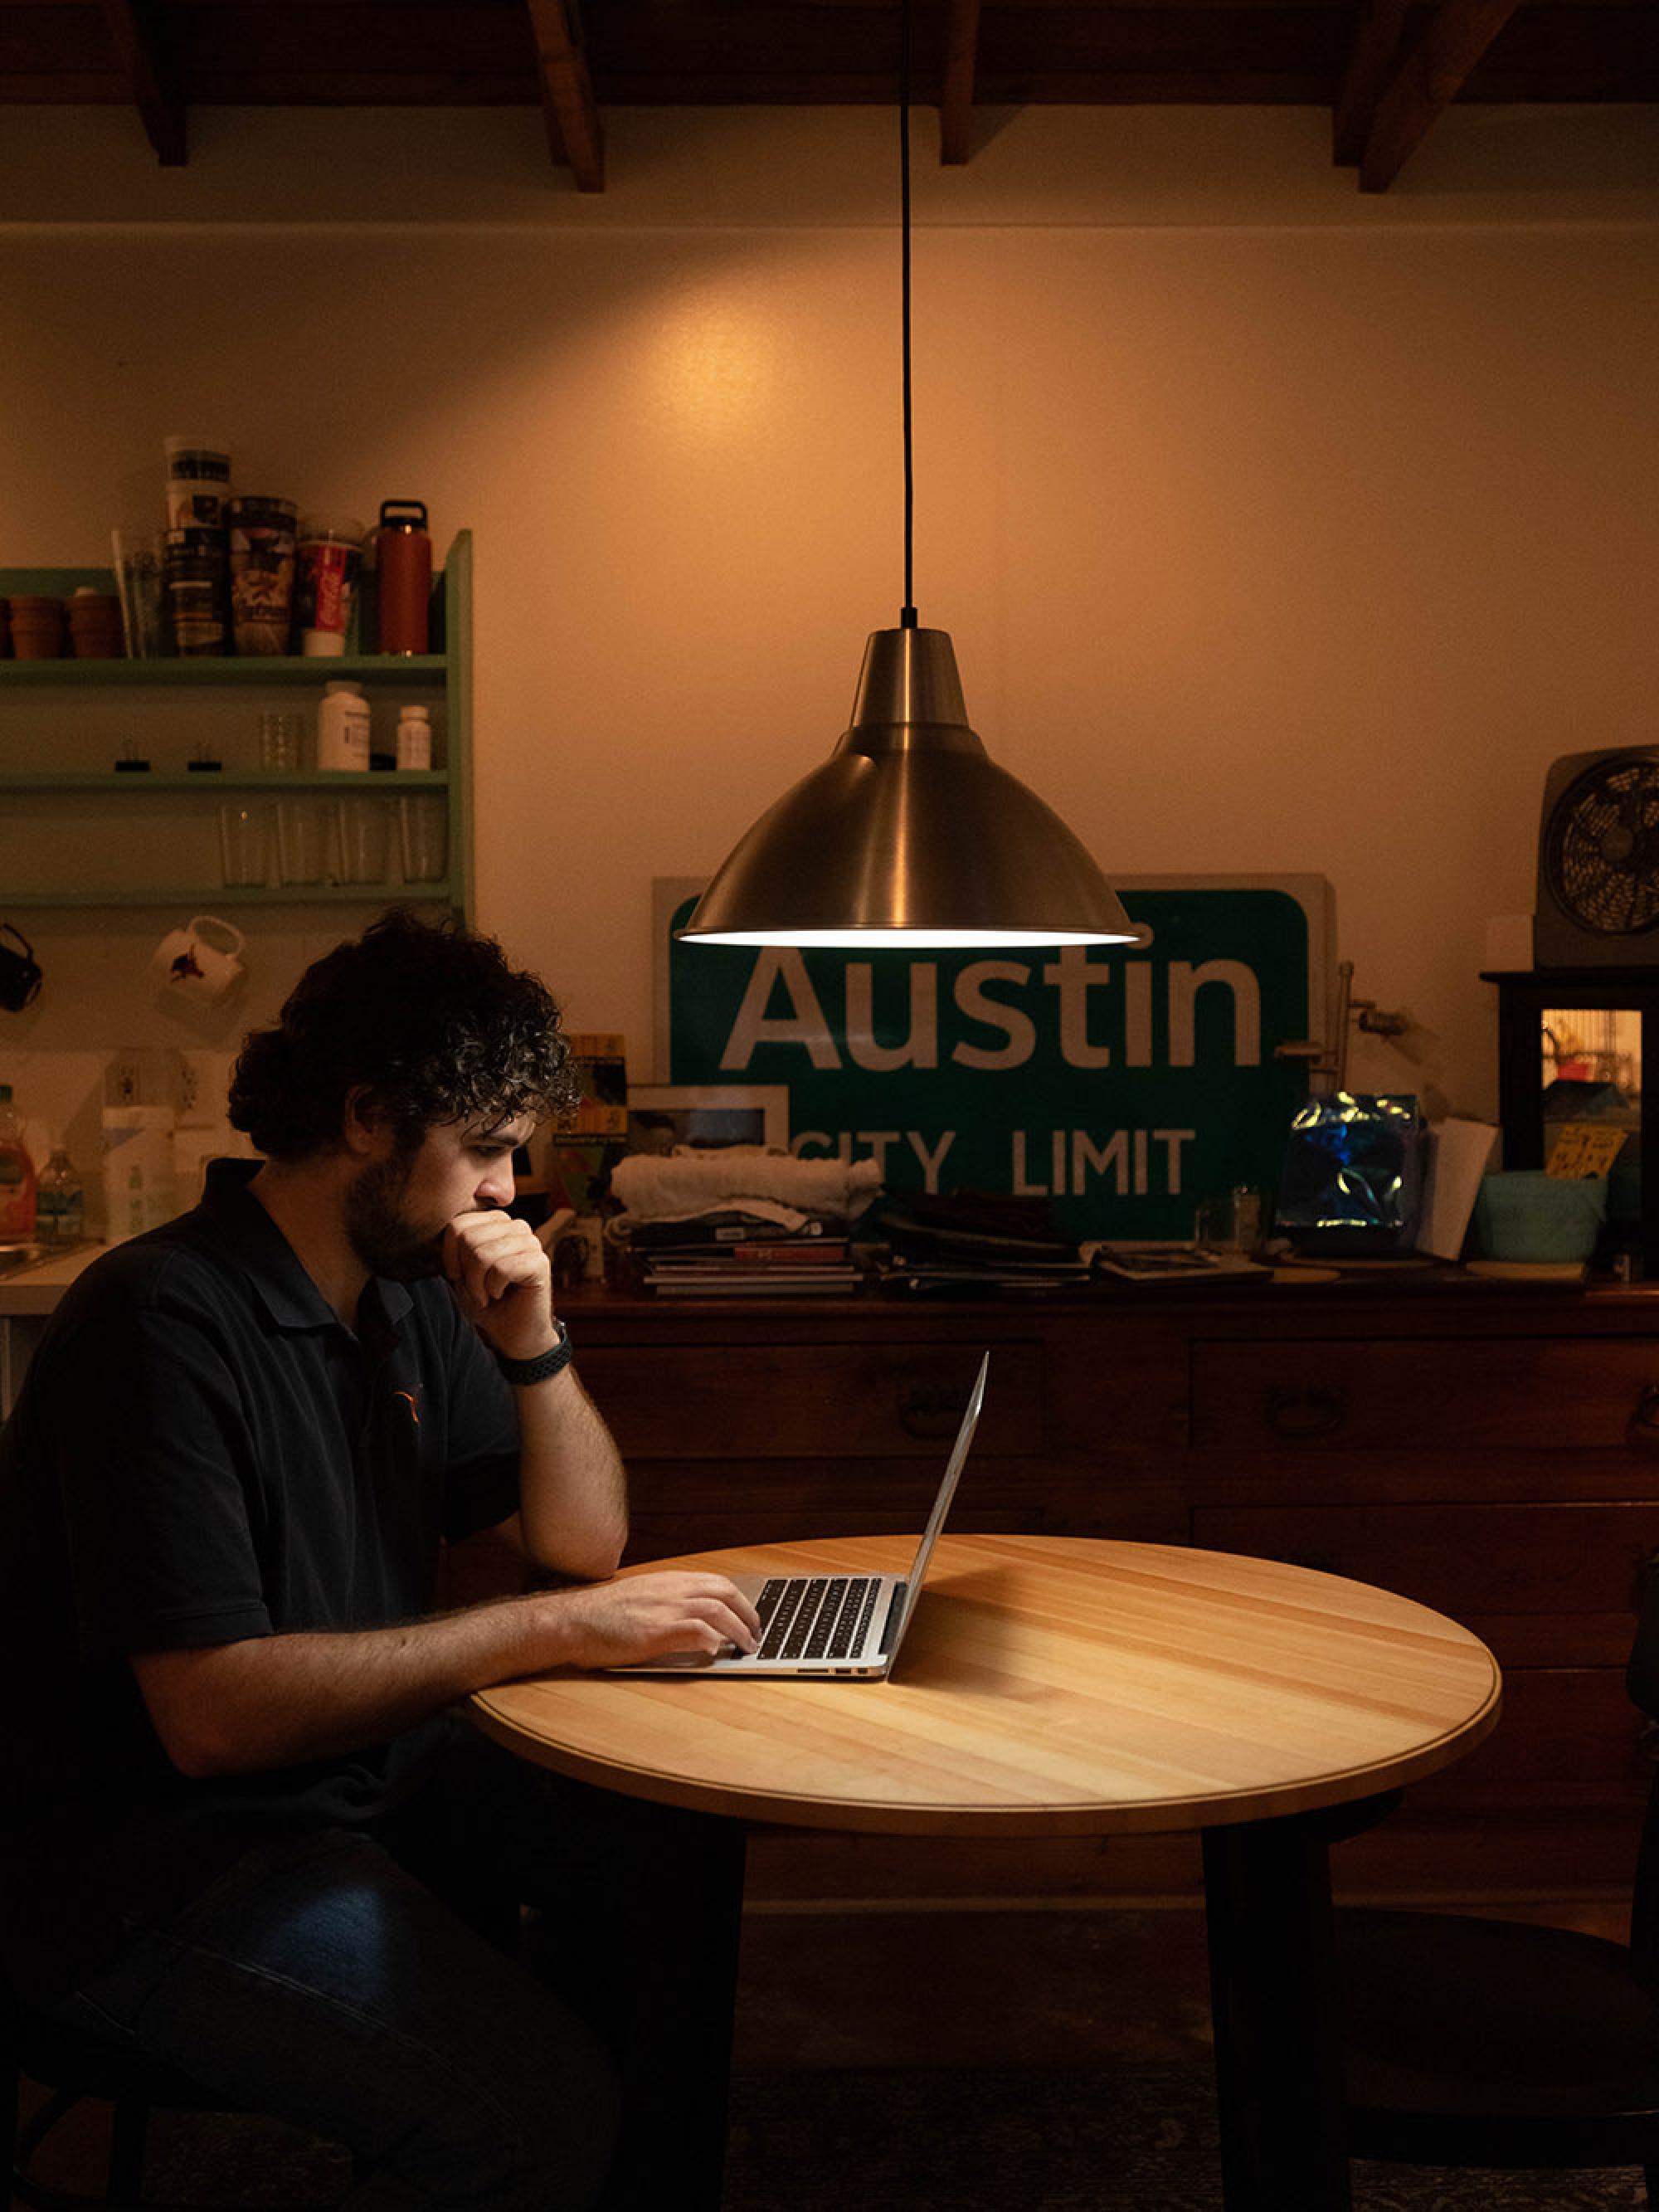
<point x="217" y="895"/>
<point x="220" y="669"/>
<point x="148" y="681"/>
<point x="202" y="783"/>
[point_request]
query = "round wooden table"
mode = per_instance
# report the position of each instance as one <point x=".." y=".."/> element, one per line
<point x="1062" y="1685"/>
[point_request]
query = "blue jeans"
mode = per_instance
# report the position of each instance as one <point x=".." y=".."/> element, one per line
<point x="383" y="1990"/>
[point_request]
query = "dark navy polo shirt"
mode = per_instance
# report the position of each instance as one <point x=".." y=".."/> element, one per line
<point x="201" y="1453"/>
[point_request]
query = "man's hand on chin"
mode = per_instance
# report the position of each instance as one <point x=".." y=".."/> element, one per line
<point x="503" y="1281"/>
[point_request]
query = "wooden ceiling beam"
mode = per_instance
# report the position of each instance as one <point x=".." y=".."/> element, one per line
<point x="956" y="106"/>
<point x="1426" y="82"/>
<point x="573" y="116"/>
<point x="151" y="79"/>
<point x="1371" y="57"/>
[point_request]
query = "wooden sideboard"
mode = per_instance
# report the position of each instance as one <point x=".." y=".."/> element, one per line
<point x="1484" y="1448"/>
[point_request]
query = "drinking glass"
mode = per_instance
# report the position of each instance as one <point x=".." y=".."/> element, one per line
<point x="1230" y="1222"/>
<point x="421" y="834"/>
<point x="244" y="844"/>
<point x="302" y="838"/>
<point x="365" y="831"/>
<point x="281" y="731"/>
<point x="138" y="586"/>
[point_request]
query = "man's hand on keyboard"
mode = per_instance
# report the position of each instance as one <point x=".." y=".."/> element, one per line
<point x="656" y="1616"/>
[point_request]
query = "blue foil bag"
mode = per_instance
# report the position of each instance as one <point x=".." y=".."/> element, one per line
<point x="1352" y="1180"/>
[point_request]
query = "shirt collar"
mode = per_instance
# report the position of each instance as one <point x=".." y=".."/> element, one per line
<point x="280" y="1281"/>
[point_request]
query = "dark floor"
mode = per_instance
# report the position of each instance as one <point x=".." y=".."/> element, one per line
<point x="1007" y="2061"/>
<point x="1133" y="2138"/>
<point x="938" y="1989"/>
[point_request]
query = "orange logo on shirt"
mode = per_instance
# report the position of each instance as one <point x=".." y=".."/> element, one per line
<point x="408" y="1398"/>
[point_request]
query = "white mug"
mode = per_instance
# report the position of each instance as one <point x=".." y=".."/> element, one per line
<point x="201" y="961"/>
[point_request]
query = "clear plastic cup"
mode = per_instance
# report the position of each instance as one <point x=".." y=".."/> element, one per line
<point x="302" y="840"/>
<point x="244" y="845"/>
<point x="422" y="838"/>
<point x="364" y="834"/>
<point x="281" y="734"/>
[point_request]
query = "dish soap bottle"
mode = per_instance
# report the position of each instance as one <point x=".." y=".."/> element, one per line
<point x="60" y="1211"/>
<point x="16" y="1175"/>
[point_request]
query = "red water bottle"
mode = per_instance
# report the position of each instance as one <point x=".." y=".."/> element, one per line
<point x="403" y="575"/>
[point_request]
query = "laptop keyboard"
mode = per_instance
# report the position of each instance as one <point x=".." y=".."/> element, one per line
<point x="815" y="1616"/>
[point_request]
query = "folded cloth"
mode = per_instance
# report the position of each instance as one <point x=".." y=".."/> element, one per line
<point x="661" y="1185"/>
<point x="742" y="1217"/>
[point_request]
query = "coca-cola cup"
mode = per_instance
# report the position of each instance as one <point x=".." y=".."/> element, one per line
<point x="330" y="556"/>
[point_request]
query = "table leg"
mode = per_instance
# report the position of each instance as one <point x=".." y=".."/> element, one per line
<point x="1274" y="1999"/>
<point x="681" y="1954"/>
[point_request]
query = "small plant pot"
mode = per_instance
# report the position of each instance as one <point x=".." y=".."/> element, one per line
<point x="37" y="628"/>
<point x="95" y="621"/>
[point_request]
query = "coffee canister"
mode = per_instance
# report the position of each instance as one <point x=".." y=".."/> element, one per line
<point x="403" y="576"/>
<point x="198" y="484"/>
<point x="193" y="584"/>
<point x="262" y="533"/>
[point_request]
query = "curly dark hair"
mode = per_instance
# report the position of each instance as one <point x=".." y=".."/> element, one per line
<point x="428" y="1019"/>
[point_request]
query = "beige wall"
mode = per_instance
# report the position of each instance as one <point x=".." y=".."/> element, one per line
<point x="1278" y="529"/>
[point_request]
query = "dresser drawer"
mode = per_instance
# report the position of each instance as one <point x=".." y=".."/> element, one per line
<point x="868" y="1400"/>
<point x="1538" y="1582"/>
<point x="1315" y="1394"/>
<point x="1569" y="1739"/>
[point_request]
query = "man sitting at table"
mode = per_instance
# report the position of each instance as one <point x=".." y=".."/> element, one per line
<point x="243" y="1826"/>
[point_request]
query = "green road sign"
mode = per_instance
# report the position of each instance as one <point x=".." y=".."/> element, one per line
<point x="1121" y="1084"/>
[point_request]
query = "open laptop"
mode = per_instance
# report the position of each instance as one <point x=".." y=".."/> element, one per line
<point x="850" y="1624"/>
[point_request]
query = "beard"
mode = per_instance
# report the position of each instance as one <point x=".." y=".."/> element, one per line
<point x="381" y="1233"/>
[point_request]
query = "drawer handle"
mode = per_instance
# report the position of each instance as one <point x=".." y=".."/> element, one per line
<point x="1642" y="1430"/>
<point x="930" y="1413"/>
<point x="1305" y="1413"/>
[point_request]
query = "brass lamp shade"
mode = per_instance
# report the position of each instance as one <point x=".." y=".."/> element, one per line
<point x="909" y="834"/>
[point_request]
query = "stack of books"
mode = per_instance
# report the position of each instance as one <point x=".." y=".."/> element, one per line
<point x="727" y="1255"/>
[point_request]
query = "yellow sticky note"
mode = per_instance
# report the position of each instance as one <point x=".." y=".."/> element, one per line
<point x="1583" y="1148"/>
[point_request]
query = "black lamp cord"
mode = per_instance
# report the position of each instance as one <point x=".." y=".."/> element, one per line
<point x="908" y="613"/>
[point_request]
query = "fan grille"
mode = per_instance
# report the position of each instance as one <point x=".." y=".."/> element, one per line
<point x="1601" y="853"/>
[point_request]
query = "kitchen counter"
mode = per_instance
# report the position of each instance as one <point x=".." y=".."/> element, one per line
<point x="37" y="1289"/>
<point x="28" y="1299"/>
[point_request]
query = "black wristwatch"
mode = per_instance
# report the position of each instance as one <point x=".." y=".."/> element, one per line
<point x="524" y="1372"/>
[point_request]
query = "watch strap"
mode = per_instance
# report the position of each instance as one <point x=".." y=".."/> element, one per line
<point x="554" y="1361"/>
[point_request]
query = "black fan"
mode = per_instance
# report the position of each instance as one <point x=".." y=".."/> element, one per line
<point x="1598" y="861"/>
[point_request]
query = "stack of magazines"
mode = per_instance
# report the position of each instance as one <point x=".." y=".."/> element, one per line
<point x="735" y="1253"/>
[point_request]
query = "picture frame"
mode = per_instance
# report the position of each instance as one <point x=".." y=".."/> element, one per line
<point x="662" y="1117"/>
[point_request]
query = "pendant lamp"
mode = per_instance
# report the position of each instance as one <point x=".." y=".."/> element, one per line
<point x="908" y="834"/>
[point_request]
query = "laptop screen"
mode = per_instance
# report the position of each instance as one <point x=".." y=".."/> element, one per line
<point x="947" y="1490"/>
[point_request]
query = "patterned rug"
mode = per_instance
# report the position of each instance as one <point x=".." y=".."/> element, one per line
<point x="1128" y="2139"/>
